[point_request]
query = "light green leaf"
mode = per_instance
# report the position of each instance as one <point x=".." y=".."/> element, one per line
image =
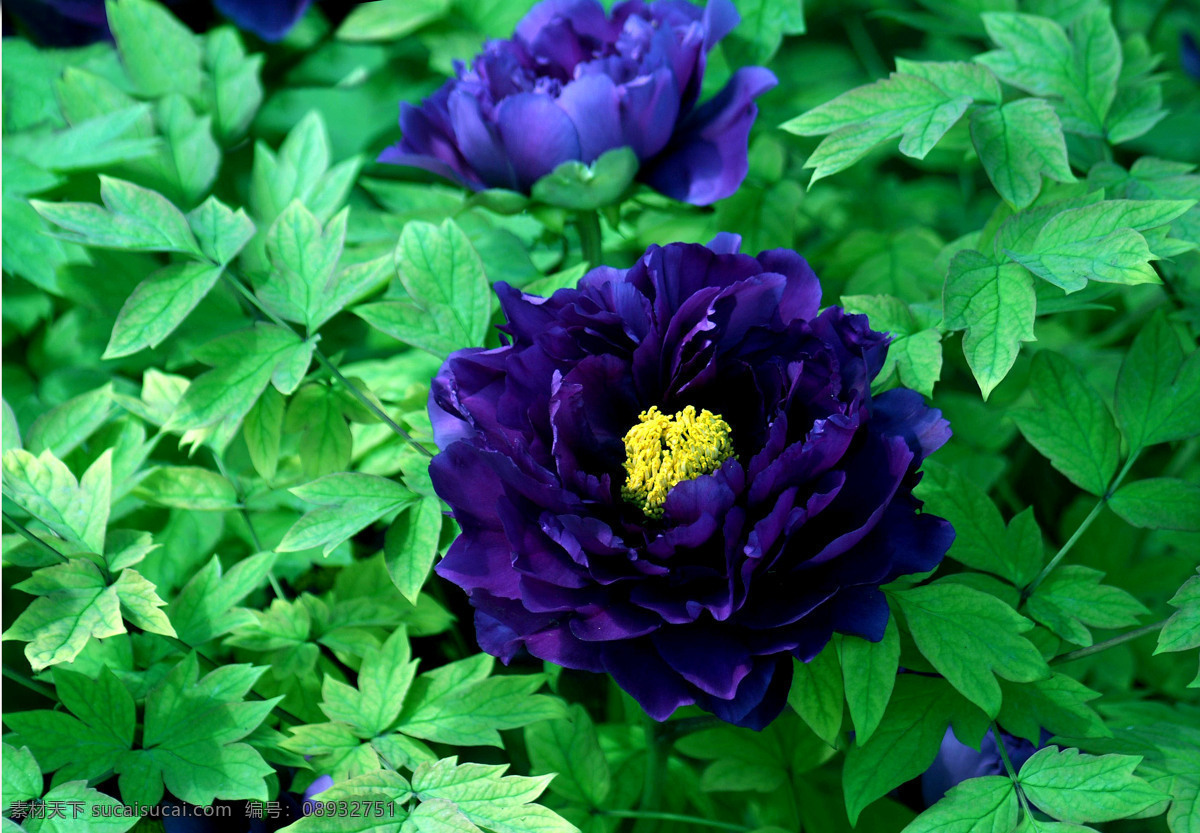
<point x="22" y="777"/>
<point x="89" y="802"/>
<point x="1071" y="427"/>
<point x="389" y="789"/>
<point x="869" y="674"/>
<point x="203" y="608"/>
<point x="236" y="91"/>
<point x="348" y="502"/>
<point x="489" y="798"/>
<point x="44" y="487"/>
<point x="74" y="604"/>
<point x="996" y="305"/>
<point x="12" y="431"/>
<point x="383" y="683"/>
<point x="955" y="78"/>
<point x="816" y="694"/>
<point x="1018" y="143"/>
<point x="132" y="218"/>
<point x="917" y="359"/>
<point x="390" y="20"/>
<point x="92" y="144"/>
<point x="188" y="487"/>
<point x="158" y="52"/>
<point x="158" y="305"/>
<point x="969" y="636"/>
<point x="577" y="186"/>
<point x="140" y="603"/>
<point x="65" y="427"/>
<point x="1086" y="788"/>
<point x="303" y="258"/>
<point x="570" y="747"/>
<point x="192" y="157"/>
<point x="1072" y="598"/>
<point x="263" y="429"/>
<point x="977" y="805"/>
<point x="411" y="546"/>
<point x="221" y="231"/>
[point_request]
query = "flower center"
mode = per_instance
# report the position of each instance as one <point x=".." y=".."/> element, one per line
<point x="662" y="450"/>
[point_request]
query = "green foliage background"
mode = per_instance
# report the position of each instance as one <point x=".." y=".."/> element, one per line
<point x="221" y="318"/>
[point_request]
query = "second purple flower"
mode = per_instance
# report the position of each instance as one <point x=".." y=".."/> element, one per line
<point x="574" y="83"/>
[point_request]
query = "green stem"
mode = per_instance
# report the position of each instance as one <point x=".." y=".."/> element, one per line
<point x="588" y="224"/>
<point x="324" y="361"/>
<point x="29" y="536"/>
<point x="1087" y="522"/>
<point x="656" y="770"/>
<point x="1108" y="643"/>
<point x="657" y="816"/>
<point x="31" y="684"/>
<point x="1010" y="769"/>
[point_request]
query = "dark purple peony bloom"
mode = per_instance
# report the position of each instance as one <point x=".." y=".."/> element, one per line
<point x="956" y="762"/>
<point x="676" y="474"/>
<point x="574" y="83"/>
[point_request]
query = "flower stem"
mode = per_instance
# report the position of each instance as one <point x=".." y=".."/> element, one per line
<point x="1010" y="769"/>
<point x="1108" y="643"/>
<point x="324" y="361"/>
<point x="644" y="814"/>
<point x="1049" y="568"/>
<point x="588" y="224"/>
<point x="29" y="683"/>
<point x="33" y="539"/>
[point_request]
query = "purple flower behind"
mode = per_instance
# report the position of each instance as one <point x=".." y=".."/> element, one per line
<point x="574" y="83"/>
<point x="956" y="762"/>
<point x="676" y="474"/>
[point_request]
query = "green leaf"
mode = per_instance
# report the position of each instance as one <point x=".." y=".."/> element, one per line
<point x="44" y="487"/>
<point x="158" y="305"/>
<point x="1018" y="143"/>
<point x="411" y="546"/>
<point x="236" y="91"/>
<point x="577" y="186"/>
<point x="244" y="363"/>
<point x="87" y="743"/>
<point x="1057" y="705"/>
<point x="955" y="78"/>
<point x="158" y="52"/>
<point x="979" y="541"/>
<point x="996" y="305"/>
<point x="132" y="218"/>
<point x="263" y="429"/>
<point x="443" y="275"/>
<point x="390" y="19"/>
<point x="907" y="739"/>
<point x="816" y="694"/>
<point x="141" y="604"/>
<point x="763" y="24"/>
<point x="65" y="427"/>
<point x="460" y="705"/>
<point x="74" y="604"/>
<point x="1072" y="428"/>
<point x="326" y="445"/>
<point x="1158" y="392"/>
<point x="1159" y="503"/>
<point x="188" y="487"/>
<point x="383" y="683"/>
<point x="570" y="749"/>
<point x="1182" y="630"/>
<point x="869" y="675"/>
<point x="1086" y="788"/>
<point x="192" y="156"/>
<point x="202" y="610"/>
<point x="104" y="814"/>
<point x="190" y="738"/>
<point x="92" y="144"/>
<point x="969" y="636"/>
<point x="303" y="258"/>
<point x="976" y="805"/>
<point x="1072" y="598"/>
<point x="221" y="231"/>
<point x="348" y="502"/>
<point x="22" y="776"/>
<point x="1099" y="242"/>
<point x="488" y="798"/>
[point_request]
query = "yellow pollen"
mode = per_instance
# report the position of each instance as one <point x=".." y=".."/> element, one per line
<point x="662" y="450"/>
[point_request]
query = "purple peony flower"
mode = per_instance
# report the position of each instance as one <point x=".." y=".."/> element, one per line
<point x="574" y="83"/>
<point x="676" y="474"/>
<point x="956" y="762"/>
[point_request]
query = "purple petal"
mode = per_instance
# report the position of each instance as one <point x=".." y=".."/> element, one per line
<point x="538" y="136"/>
<point x="269" y="19"/>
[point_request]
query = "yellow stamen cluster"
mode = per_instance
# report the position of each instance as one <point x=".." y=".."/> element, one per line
<point x="662" y="450"/>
